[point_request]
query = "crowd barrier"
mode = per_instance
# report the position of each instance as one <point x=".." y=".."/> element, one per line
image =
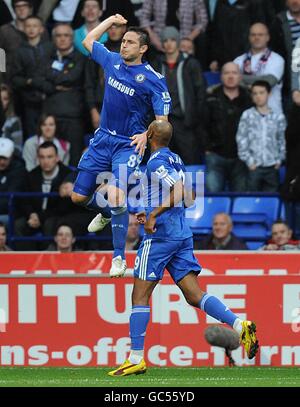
<point x="64" y="310"/>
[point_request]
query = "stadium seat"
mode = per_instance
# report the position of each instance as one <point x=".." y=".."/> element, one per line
<point x="254" y="245"/>
<point x="212" y="78"/>
<point x="200" y="216"/>
<point x="251" y="231"/>
<point x="282" y="171"/>
<point x="262" y="210"/>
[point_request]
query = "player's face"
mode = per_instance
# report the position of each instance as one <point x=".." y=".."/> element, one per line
<point x="231" y="76"/>
<point x="260" y="96"/>
<point x="281" y="234"/>
<point x="131" y="49"/>
<point x="63" y="38"/>
<point x="64" y="238"/>
<point x="33" y="28"/>
<point x="293" y="5"/>
<point x="2" y="236"/>
<point x="48" y="159"/>
<point x="259" y="37"/>
<point x="170" y="46"/>
<point x="221" y="227"/>
<point x="91" y="11"/>
<point x="48" y="128"/>
<point x="23" y="10"/>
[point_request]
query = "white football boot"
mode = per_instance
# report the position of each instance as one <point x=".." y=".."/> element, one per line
<point x="98" y="223"/>
<point x="118" y="267"/>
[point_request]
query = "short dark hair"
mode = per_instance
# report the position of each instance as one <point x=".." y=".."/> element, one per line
<point x="64" y="224"/>
<point x="14" y="2"/>
<point x="47" y="144"/>
<point x="2" y="225"/>
<point x="97" y="1"/>
<point x="35" y="18"/>
<point x="281" y="222"/>
<point x="143" y="34"/>
<point x="262" y="84"/>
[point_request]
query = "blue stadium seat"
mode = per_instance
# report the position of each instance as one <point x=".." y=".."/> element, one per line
<point x="262" y="210"/>
<point x="282" y="171"/>
<point x="254" y="245"/>
<point x="251" y="231"/>
<point x="200" y="215"/>
<point x="212" y="78"/>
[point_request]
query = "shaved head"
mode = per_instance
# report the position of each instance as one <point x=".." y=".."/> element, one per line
<point x="160" y="132"/>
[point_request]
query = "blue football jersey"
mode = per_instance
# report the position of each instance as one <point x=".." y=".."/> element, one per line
<point x="132" y="93"/>
<point x="164" y="169"/>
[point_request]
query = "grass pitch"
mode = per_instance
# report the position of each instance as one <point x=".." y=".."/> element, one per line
<point x="155" y="377"/>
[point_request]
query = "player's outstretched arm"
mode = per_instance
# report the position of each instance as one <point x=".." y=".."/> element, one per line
<point x="98" y="31"/>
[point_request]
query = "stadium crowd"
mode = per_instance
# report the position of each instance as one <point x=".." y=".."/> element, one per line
<point x="233" y="71"/>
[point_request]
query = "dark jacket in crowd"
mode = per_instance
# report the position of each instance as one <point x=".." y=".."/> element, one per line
<point x="234" y="243"/>
<point x="281" y="42"/>
<point x="221" y="120"/>
<point x="123" y="7"/>
<point x="34" y="183"/>
<point x="230" y="28"/>
<point x="11" y="39"/>
<point x="5" y="16"/>
<point x="30" y="63"/>
<point x="12" y="180"/>
<point x="190" y="87"/>
<point x="66" y="103"/>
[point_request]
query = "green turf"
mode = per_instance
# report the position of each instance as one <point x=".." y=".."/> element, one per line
<point x="159" y="377"/>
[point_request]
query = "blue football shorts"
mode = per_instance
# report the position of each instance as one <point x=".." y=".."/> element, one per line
<point x="109" y="158"/>
<point x="156" y="255"/>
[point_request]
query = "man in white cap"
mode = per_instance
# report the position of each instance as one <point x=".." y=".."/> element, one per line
<point x="12" y="174"/>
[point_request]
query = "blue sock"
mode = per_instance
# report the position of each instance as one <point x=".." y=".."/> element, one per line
<point x="138" y="322"/>
<point x="216" y="309"/>
<point x="119" y="224"/>
<point x="99" y="204"/>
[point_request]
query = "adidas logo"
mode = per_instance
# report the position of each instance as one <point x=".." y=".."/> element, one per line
<point x="152" y="275"/>
<point x="117" y="67"/>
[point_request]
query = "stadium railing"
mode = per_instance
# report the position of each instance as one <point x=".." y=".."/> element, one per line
<point x="239" y="222"/>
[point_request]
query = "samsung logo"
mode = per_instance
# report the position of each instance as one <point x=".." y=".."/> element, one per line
<point x="120" y="87"/>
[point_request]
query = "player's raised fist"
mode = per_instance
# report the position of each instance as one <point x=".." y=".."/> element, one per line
<point x="119" y="19"/>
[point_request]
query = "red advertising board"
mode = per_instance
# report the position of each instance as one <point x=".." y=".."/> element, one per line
<point x="83" y="321"/>
<point x="93" y="263"/>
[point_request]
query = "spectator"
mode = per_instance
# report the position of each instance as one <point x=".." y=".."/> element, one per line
<point x="187" y="90"/>
<point x="133" y="239"/>
<point x="179" y="13"/>
<point x="3" y="237"/>
<point x="64" y="89"/>
<point x="222" y="111"/>
<point x="221" y="237"/>
<point x="260" y="63"/>
<point x="281" y="238"/>
<point x="187" y="46"/>
<point x="40" y="214"/>
<point x="12" y="127"/>
<point x="94" y="75"/>
<point x="91" y="13"/>
<point x="64" y="240"/>
<point x="12" y="175"/>
<point x="12" y="34"/>
<point x="46" y="132"/>
<point x="59" y="11"/>
<point x="28" y="73"/>
<point x="230" y="27"/>
<point x="285" y="31"/>
<point x="261" y="141"/>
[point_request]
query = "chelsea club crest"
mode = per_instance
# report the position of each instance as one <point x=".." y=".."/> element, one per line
<point x="140" y="78"/>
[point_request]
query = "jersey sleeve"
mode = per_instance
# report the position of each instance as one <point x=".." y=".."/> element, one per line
<point x="160" y="97"/>
<point x="101" y="55"/>
<point x="164" y="171"/>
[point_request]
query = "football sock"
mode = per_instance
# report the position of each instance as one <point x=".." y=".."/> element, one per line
<point x="216" y="309"/>
<point x="119" y="224"/>
<point x="140" y="316"/>
<point x="237" y="326"/>
<point x="99" y="204"/>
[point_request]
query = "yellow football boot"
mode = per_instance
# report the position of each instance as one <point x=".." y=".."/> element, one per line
<point x="248" y="338"/>
<point x="128" y="368"/>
